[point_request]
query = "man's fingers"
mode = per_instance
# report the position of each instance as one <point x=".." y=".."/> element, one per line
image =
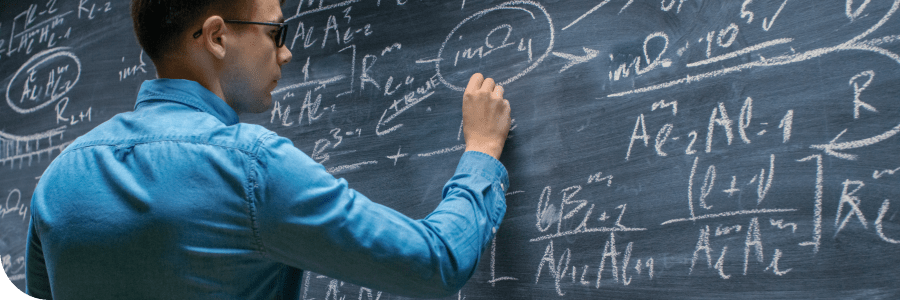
<point x="475" y="82"/>
<point x="488" y="85"/>
<point x="498" y="92"/>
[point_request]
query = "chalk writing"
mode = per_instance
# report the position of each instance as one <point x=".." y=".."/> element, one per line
<point x="754" y="240"/>
<point x="774" y="265"/>
<point x="13" y="147"/>
<point x="879" y="174"/>
<point x="397" y="156"/>
<point x="667" y="5"/>
<point x="664" y="104"/>
<point x="853" y="44"/>
<point x="25" y="30"/>
<point x="319" y="8"/>
<point x="786" y="123"/>
<point x="597" y="178"/>
<point x="549" y="215"/>
<point x="767" y="24"/>
<point x="851" y="200"/>
<point x="494" y="279"/>
<point x="132" y="71"/>
<point x="310" y="108"/>
<point x="639" y="123"/>
<point x="656" y="62"/>
<point x="350" y="167"/>
<point x="401" y="105"/>
<point x="62" y="69"/>
<point x="14" y="268"/>
<point x="855" y="13"/>
<point x="817" y="214"/>
<point x="595" y="8"/>
<point x="456" y="148"/>
<point x="557" y="270"/>
<point x="519" y="5"/>
<point x="727" y="230"/>
<point x="558" y="267"/>
<point x="781" y="225"/>
<point x="738" y="53"/>
<point x="89" y="13"/>
<point x="574" y="60"/>
<point x="878" y="222"/>
<point x="857" y="90"/>
<point x="368" y="293"/>
<point x="14" y="204"/>
<point x="61" y="113"/>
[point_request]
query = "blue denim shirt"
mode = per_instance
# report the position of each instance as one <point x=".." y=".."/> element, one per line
<point x="177" y="200"/>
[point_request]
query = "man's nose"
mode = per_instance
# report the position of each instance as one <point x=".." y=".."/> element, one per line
<point x="284" y="55"/>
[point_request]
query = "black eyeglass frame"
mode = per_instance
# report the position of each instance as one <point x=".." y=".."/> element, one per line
<point x="282" y="30"/>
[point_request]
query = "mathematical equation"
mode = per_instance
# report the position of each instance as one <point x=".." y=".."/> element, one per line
<point x="736" y="209"/>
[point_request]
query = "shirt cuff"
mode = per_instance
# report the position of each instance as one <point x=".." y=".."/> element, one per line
<point x="487" y="167"/>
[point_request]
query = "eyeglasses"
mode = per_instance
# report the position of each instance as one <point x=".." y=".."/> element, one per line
<point x="281" y="34"/>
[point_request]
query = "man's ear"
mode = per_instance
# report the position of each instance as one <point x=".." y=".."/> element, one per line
<point x="214" y="35"/>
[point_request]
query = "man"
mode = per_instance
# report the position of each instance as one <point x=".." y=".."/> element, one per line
<point x="177" y="200"/>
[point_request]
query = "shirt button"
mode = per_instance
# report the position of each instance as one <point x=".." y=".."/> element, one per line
<point x="494" y="230"/>
<point x="502" y="187"/>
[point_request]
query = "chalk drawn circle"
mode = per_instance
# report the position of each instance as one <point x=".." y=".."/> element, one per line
<point x="511" y="5"/>
<point x="36" y="61"/>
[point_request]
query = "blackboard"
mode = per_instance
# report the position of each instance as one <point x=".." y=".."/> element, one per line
<point x="660" y="149"/>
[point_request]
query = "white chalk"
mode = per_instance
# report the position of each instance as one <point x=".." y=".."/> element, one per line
<point x="708" y="182"/>
<point x="664" y="104"/>
<point x="590" y="12"/>
<point x="609" y="250"/>
<point x="763" y="190"/>
<point x="639" y="123"/>
<point x="817" y="214"/>
<point x="857" y="90"/>
<point x="702" y="245"/>
<point x="723" y="120"/>
<point x="745" y="118"/>
<point x="766" y="24"/>
<point x="774" y="264"/>
<point x="730" y="214"/>
<point x="661" y="138"/>
<point x="753" y="239"/>
<point x="879" y="174"/>
<point x="782" y="225"/>
<point x="786" y="123"/>
<point x="720" y="264"/>
<point x="853" y="201"/>
<point x="854" y="13"/>
<point x="878" y="227"/>
<point x="852" y="44"/>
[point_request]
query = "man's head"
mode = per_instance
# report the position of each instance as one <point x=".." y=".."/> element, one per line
<point x="196" y="40"/>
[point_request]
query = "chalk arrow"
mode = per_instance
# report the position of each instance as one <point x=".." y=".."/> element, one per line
<point x="832" y="146"/>
<point x="574" y="59"/>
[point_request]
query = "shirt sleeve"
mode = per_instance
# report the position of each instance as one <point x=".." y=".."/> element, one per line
<point x="308" y="219"/>
<point x="37" y="279"/>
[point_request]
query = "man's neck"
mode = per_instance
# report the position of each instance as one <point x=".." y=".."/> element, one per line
<point x="177" y="69"/>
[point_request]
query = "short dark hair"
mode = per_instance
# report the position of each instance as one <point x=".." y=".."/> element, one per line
<point x="159" y="23"/>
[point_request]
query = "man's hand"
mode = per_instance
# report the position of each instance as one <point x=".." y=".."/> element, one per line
<point x="485" y="116"/>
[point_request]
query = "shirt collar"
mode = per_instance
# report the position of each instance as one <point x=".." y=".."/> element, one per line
<point x="189" y="93"/>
